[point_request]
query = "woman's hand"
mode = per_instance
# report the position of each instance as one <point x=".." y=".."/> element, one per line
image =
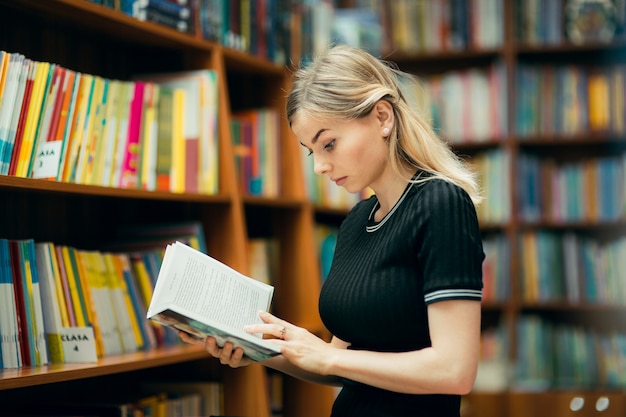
<point x="298" y="346"/>
<point x="226" y="354"/>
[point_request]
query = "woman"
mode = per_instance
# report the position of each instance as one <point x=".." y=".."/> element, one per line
<point x="402" y="298"/>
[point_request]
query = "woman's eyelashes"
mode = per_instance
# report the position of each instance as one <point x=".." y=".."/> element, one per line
<point x="327" y="147"/>
<point x="330" y="145"/>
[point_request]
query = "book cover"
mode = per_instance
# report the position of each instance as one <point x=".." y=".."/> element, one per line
<point x="9" y="343"/>
<point x="51" y="307"/>
<point x="10" y="103"/>
<point x="86" y="276"/>
<point x="89" y="154"/>
<point x="250" y="146"/>
<point x="86" y="135"/>
<point x="47" y="116"/>
<point x="148" y="144"/>
<point x="211" y="393"/>
<point x="199" y="126"/>
<point x="186" y="156"/>
<point x="258" y="147"/>
<point x="130" y="299"/>
<point x="102" y="149"/>
<point x="112" y="173"/>
<point x="129" y="175"/>
<point x="13" y="124"/>
<point x="74" y="286"/>
<point x="41" y="80"/>
<point x="170" y="139"/>
<point x="144" y="291"/>
<point x="154" y="15"/>
<point x="45" y="161"/>
<point x="19" y="121"/>
<point x="34" y="293"/>
<point x="77" y="128"/>
<point x="139" y="305"/>
<point x="113" y="276"/>
<point x="66" y="297"/>
<point x="66" y="119"/>
<point x="199" y="295"/>
<point x="23" y="307"/>
<point x="102" y="297"/>
<point x="4" y="65"/>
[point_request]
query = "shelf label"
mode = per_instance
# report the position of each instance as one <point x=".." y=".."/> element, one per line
<point x="79" y="344"/>
<point x="47" y="160"/>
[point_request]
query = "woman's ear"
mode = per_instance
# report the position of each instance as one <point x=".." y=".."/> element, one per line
<point x="384" y="114"/>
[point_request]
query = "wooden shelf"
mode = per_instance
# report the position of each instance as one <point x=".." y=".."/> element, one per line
<point x="110" y="365"/>
<point x="28" y="184"/>
<point x="86" y="37"/>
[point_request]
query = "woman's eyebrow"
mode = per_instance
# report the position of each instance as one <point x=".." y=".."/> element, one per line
<point x="317" y="135"/>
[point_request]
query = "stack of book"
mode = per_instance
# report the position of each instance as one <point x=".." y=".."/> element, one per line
<point x="154" y="133"/>
<point x="46" y="288"/>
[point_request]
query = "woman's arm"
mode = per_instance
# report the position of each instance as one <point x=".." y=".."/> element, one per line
<point x="235" y="359"/>
<point x="281" y="364"/>
<point x="448" y="367"/>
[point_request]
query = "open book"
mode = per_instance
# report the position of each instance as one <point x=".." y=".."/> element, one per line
<point x="203" y="297"/>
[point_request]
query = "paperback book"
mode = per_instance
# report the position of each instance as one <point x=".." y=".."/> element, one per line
<point x="199" y="295"/>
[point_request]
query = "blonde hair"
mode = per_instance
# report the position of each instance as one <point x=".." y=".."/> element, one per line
<point x="347" y="82"/>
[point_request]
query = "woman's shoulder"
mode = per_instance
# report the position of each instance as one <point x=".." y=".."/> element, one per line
<point x="438" y="188"/>
<point x="436" y="196"/>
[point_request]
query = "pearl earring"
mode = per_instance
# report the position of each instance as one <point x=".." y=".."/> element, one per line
<point x="386" y="131"/>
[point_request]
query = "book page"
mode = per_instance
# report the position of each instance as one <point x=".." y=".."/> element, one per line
<point x="203" y="285"/>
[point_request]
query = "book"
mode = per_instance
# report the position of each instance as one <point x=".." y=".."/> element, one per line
<point x="146" y="169"/>
<point x="46" y="117"/>
<point x="46" y="156"/>
<point x="9" y="346"/>
<point x="128" y="175"/>
<point x="114" y="163"/>
<point x="52" y="313"/>
<point x="10" y="104"/>
<point x="102" y="149"/>
<point x="199" y="295"/>
<point x="80" y="119"/>
<point x="34" y="292"/>
<point x="170" y="158"/>
<point x="23" y="153"/>
<point x="210" y="392"/>
<point x="147" y="338"/>
<point x="93" y="136"/>
<point x="119" y="297"/>
<point x="102" y="296"/>
<point x="130" y="300"/>
<point x="18" y="122"/>
<point x="66" y="118"/>
<point x="198" y="153"/>
<point x="22" y="307"/>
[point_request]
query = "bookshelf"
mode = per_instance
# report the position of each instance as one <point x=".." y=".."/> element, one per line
<point x="569" y="312"/>
<point x="86" y="37"/>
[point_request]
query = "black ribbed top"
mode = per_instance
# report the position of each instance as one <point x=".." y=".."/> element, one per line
<point x="427" y="249"/>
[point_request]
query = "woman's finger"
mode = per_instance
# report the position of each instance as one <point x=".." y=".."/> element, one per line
<point x="212" y="347"/>
<point x="226" y="353"/>
<point x="187" y="338"/>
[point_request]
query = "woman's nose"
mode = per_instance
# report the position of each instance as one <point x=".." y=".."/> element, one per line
<point x="320" y="165"/>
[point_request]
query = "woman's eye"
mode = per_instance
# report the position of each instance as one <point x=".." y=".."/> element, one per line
<point x="309" y="153"/>
<point x="330" y="145"/>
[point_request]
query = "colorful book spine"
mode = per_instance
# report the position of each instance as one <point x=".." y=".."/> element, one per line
<point x="9" y="322"/>
<point x="32" y="119"/>
<point x="128" y="175"/>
